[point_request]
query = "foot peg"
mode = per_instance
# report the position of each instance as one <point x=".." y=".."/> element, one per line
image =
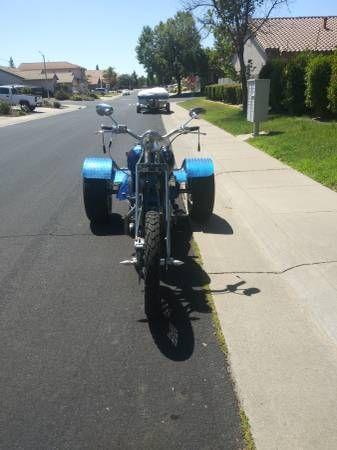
<point x="129" y="262"/>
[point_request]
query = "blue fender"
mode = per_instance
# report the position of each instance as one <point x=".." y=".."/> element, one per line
<point x="103" y="169"/>
<point x="194" y="168"/>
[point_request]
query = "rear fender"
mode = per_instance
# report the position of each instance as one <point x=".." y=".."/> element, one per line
<point x="103" y="169"/>
<point x="194" y="168"/>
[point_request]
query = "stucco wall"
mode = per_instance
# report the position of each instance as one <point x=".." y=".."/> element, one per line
<point x="252" y="53"/>
<point x="7" y="78"/>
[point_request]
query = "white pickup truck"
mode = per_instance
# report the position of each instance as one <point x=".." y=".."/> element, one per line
<point x="14" y="96"/>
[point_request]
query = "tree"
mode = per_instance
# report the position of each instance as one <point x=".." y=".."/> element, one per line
<point x="97" y="68"/>
<point x="232" y="21"/>
<point x="110" y="76"/>
<point x="124" y="81"/>
<point x="171" y="50"/>
<point x="11" y="63"/>
<point x="134" y="79"/>
<point x="146" y="52"/>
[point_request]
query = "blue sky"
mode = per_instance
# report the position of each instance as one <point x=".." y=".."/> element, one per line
<point x="103" y="32"/>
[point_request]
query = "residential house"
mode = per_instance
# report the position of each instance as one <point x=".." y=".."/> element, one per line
<point x="69" y="75"/>
<point x="32" y="78"/>
<point x="284" y="37"/>
<point x="95" y="79"/>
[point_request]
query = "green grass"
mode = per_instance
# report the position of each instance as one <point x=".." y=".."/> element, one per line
<point x="306" y="145"/>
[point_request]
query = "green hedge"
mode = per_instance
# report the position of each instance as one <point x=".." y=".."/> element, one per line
<point x="318" y="77"/>
<point x="274" y="70"/>
<point x="295" y="84"/>
<point x="227" y="93"/>
<point x="332" y="89"/>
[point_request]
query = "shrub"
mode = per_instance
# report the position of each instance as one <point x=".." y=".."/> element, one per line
<point x="62" y="95"/>
<point x="295" y="83"/>
<point x="227" y="93"/>
<point x="318" y="75"/>
<point x="57" y="105"/>
<point x="5" y="108"/>
<point x="274" y="70"/>
<point x="46" y="103"/>
<point x="76" y="97"/>
<point x="332" y="89"/>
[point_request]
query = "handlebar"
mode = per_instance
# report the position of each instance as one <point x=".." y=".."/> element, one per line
<point x="123" y="129"/>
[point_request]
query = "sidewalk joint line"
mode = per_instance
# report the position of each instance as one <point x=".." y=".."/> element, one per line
<point x="247" y="171"/>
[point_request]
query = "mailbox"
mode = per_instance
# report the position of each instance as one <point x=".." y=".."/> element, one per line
<point x="257" y="102"/>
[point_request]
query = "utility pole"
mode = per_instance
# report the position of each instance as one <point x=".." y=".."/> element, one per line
<point x="45" y="72"/>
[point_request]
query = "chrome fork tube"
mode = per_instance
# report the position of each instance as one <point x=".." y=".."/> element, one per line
<point x="168" y="217"/>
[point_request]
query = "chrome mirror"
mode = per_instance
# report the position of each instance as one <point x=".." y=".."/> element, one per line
<point x="195" y="112"/>
<point x="103" y="109"/>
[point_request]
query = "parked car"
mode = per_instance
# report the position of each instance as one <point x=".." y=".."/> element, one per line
<point x="125" y="92"/>
<point x="100" y="90"/>
<point x="153" y="100"/>
<point x="13" y="96"/>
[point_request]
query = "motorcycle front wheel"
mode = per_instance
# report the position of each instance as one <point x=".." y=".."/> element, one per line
<point x="152" y="246"/>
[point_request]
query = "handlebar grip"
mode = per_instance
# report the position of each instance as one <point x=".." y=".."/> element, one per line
<point x="192" y="128"/>
<point x="106" y="128"/>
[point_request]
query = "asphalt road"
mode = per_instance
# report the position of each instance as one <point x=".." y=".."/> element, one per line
<point x="81" y="368"/>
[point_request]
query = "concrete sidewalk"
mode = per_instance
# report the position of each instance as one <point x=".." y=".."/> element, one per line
<point x="39" y="113"/>
<point x="271" y="253"/>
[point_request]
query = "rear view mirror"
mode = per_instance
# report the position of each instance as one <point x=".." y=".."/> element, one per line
<point x="195" y="112"/>
<point x="103" y="109"/>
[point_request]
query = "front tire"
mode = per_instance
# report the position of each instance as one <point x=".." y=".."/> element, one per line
<point x="96" y="200"/>
<point x="201" y="198"/>
<point x="152" y="248"/>
<point x="24" y="106"/>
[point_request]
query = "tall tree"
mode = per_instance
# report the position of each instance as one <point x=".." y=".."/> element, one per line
<point x="124" y="81"/>
<point x="110" y="76"/>
<point x="11" y="63"/>
<point x="171" y="50"/>
<point x="134" y="79"/>
<point x="146" y="53"/>
<point x="232" y="21"/>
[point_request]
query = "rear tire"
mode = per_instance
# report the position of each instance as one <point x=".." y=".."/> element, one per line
<point x="138" y="109"/>
<point x="201" y="198"/>
<point x="152" y="264"/>
<point x="96" y="200"/>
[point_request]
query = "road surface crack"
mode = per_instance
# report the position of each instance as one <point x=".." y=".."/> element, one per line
<point x="274" y="272"/>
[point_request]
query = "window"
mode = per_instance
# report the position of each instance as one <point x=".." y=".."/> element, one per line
<point x="4" y="90"/>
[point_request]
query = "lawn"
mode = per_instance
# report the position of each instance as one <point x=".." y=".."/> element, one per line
<point x="306" y="145"/>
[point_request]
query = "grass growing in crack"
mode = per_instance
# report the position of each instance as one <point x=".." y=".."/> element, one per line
<point x="247" y="435"/>
<point x="245" y="426"/>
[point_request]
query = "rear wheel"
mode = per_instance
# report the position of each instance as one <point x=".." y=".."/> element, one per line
<point x="96" y="200"/>
<point x="138" y="109"/>
<point x="201" y="198"/>
<point x="152" y="248"/>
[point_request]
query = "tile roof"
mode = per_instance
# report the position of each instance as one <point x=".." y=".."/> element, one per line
<point x="94" y="76"/>
<point x="54" y="65"/>
<point x="65" y="77"/>
<point x="37" y="75"/>
<point x="11" y="71"/>
<point x="295" y="34"/>
<point x="28" y="75"/>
